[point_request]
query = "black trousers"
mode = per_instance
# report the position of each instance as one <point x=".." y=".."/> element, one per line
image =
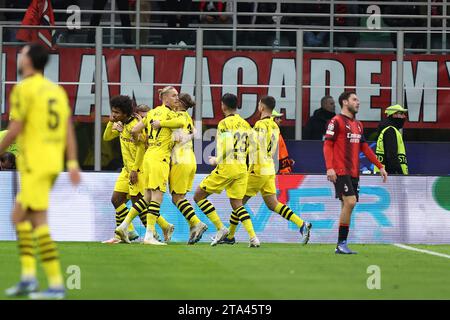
<point x="172" y="20"/>
<point x="122" y="5"/>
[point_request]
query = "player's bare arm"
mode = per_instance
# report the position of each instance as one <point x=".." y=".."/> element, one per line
<point x="137" y="129"/>
<point x="14" y="128"/>
<point x="71" y="155"/>
<point x="331" y="175"/>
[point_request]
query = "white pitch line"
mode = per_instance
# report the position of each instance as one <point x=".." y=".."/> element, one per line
<point x="421" y="250"/>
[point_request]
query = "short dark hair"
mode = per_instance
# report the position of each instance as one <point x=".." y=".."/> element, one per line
<point x="9" y="157"/>
<point x="123" y="103"/>
<point x="38" y="55"/>
<point x="269" y="102"/>
<point x="344" y="96"/>
<point x="324" y="99"/>
<point x="230" y="100"/>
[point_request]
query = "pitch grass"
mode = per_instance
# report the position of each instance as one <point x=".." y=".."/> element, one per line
<point x="273" y="271"/>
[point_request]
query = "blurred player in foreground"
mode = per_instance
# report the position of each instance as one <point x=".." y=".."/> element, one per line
<point x="344" y="140"/>
<point x="261" y="173"/>
<point x="40" y="120"/>
<point x="230" y="172"/>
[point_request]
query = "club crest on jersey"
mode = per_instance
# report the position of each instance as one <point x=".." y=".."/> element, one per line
<point x="330" y="129"/>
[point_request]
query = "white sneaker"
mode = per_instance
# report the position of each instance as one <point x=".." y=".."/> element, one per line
<point x="169" y="232"/>
<point x="113" y="241"/>
<point x="196" y="232"/>
<point x="222" y="233"/>
<point x="123" y="234"/>
<point x="49" y="294"/>
<point x="149" y="239"/>
<point x="254" y="243"/>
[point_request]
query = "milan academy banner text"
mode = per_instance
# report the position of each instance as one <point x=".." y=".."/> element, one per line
<point x="139" y="73"/>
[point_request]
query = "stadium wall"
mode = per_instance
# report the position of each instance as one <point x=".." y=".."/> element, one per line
<point x="412" y="209"/>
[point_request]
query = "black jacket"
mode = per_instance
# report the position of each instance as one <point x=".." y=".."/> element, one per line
<point x="392" y="163"/>
<point x="317" y="124"/>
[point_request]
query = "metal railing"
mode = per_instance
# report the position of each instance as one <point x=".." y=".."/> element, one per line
<point x="199" y="85"/>
<point x="278" y="14"/>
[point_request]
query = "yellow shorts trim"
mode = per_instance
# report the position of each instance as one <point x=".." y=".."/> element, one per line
<point x="181" y="178"/>
<point x="216" y="183"/>
<point x="156" y="175"/>
<point x="35" y="190"/>
<point x="123" y="183"/>
<point x="261" y="183"/>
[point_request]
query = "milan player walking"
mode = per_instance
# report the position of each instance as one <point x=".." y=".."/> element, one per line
<point x="344" y="139"/>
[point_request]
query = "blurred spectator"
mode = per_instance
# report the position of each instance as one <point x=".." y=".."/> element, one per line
<point x="245" y="37"/>
<point x="146" y="5"/>
<point x="7" y="161"/>
<point x="310" y="38"/>
<point x="286" y="164"/>
<point x="417" y="40"/>
<point x="317" y="124"/>
<point x="16" y="17"/>
<point x="265" y="37"/>
<point x="64" y="35"/>
<point x="122" y="5"/>
<point x="216" y="37"/>
<point x="39" y="12"/>
<point x="178" y="37"/>
<point x="348" y="39"/>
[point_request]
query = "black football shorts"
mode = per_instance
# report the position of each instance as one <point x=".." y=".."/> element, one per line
<point x="347" y="186"/>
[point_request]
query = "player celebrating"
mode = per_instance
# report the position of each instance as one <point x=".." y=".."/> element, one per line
<point x="344" y="139"/>
<point x="261" y="174"/>
<point x="156" y="165"/>
<point x="130" y="181"/>
<point x="40" y="119"/>
<point x="231" y="171"/>
<point x="183" y="167"/>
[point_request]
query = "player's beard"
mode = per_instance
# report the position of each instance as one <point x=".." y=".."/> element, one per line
<point x="352" y="110"/>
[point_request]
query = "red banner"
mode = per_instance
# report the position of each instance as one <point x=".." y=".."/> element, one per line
<point x="139" y="73"/>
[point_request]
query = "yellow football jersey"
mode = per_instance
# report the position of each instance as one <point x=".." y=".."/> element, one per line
<point x="43" y="107"/>
<point x="183" y="151"/>
<point x="160" y="141"/>
<point x="132" y="151"/>
<point x="232" y="144"/>
<point x="263" y="146"/>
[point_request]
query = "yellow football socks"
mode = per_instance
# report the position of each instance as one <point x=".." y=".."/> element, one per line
<point x="138" y="208"/>
<point x="286" y="212"/>
<point x="209" y="210"/>
<point x="234" y="221"/>
<point x="121" y="213"/>
<point x="26" y="250"/>
<point x="152" y="216"/>
<point x="49" y="256"/>
<point x="244" y="217"/>
<point x="188" y="212"/>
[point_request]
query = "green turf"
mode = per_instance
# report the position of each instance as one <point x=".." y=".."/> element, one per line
<point x="273" y="271"/>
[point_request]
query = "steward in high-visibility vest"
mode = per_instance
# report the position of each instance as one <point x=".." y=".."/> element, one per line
<point x="286" y="164"/>
<point x="390" y="148"/>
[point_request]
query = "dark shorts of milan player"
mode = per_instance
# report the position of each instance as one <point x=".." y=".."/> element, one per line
<point x="344" y="140"/>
